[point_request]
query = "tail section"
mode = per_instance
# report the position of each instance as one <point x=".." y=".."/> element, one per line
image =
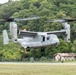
<point x="5" y="37"/>
<point x="13" y="33"/>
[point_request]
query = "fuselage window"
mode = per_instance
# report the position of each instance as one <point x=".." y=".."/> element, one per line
<point x="43" y="38"/>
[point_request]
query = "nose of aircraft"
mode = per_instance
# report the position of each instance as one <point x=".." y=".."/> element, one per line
<point x="57" y="40"/>
<point x="54" y="39"/>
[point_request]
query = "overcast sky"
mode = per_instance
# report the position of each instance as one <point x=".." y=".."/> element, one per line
<point x="3" y="1"/>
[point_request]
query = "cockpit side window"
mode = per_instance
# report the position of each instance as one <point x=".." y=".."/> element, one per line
<point x="43" y="38"/>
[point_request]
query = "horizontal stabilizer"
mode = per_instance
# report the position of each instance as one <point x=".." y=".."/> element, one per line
<point x="5" y="37"/>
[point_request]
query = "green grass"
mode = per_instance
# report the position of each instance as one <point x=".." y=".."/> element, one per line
<point x="37" y="69"/>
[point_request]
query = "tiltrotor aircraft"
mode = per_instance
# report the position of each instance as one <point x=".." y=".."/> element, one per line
<point x="36" y="39"/>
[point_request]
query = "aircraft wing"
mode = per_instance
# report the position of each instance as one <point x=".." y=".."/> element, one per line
<point x="57" y="32"/>
<point x="27" y="33"/>
<point x="30" y="33"/>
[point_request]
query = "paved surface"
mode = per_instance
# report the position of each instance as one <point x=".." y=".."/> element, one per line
<point x="37" y="63"/>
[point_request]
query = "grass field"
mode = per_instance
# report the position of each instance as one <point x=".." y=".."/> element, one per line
<point x="37" y="69"/>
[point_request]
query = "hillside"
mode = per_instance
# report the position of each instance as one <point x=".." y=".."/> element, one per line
<point x="46" y="10"/>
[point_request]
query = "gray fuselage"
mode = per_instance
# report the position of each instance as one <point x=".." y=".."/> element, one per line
<point x="39" y="40"/>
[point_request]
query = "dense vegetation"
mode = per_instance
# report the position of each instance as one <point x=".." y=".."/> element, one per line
<point x="46" y="9"/>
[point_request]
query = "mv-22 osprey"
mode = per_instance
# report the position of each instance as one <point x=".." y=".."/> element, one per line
<point x="37" y="39"/>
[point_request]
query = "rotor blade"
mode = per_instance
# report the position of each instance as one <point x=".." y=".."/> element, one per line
<point x="7" y="20"/>
<point x="25" y="19"/>
<point x="16" y="19"/>
<point x="53" y="20"/>
<point x="70" y="20"/>
<point x="62" y="20"/>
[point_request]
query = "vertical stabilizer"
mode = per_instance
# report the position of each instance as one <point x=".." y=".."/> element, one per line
<point x="5" y="37"/>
